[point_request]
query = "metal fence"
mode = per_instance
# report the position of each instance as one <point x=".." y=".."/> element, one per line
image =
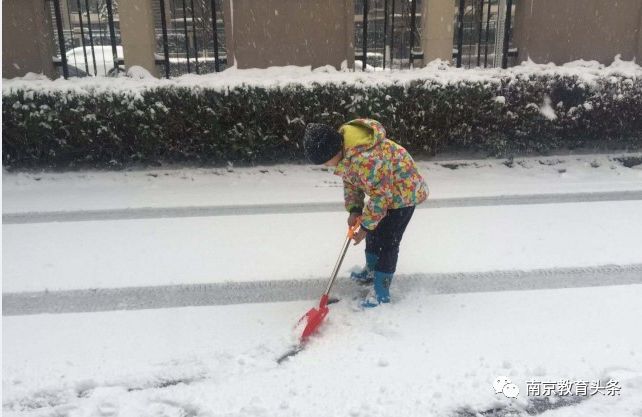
<point x="387" y="33"/>
<point x="87" y="37"/>
<point x="190" y="36"/>
<point x="484" y="33"/>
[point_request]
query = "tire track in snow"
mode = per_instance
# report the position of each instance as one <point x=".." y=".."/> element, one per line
<point x="136" y="298"/>
<point x="208" y="211"/>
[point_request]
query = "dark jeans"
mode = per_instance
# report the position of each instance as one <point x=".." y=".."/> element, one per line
<point x="385" y="239"/>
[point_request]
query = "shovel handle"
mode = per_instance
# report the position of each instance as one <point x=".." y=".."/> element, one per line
<point x="351" y="231"/>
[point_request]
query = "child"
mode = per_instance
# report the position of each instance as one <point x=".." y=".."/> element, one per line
<point x="372" y="165"/>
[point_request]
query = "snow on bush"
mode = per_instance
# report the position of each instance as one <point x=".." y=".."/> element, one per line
<point x="259" y="115"/>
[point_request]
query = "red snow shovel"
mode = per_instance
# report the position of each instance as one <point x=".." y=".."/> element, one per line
<point x="315" y="316"/>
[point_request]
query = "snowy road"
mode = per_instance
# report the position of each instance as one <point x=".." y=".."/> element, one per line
<point x="175" y="291"/>
<point x="427" y="355"/>
<point x="280" y="247"/>
<point x="293" y="290"/>
<point x="290" y="208"/>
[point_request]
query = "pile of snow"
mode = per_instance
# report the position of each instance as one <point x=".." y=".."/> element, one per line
<point x="139" y="73"/>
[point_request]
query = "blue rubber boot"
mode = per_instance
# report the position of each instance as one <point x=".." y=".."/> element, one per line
<point x="381" y="293"/>
<point x="366" y="276"/>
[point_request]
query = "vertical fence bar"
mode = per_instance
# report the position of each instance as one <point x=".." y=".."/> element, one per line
<point x="91" y="37"/>
<point x="215" y="29"/>
<point x="392" y="35"/>
<point x="103" y="38"/>
<point x="413" y="18"/>
<point x="460" y="31"/>
<point x="82" y="36"/>
<point x="471" y="36"/>
<point x="385" y="32"/>
<point x="375" y="33"/>
<point x="480" y="28"/>
<point x="165" y="41"/>
<point x="73" y="43"/>
<point x="509" y="7"/>
<point x="365" y="35"/>
<point x="487" y="36"/>
<point x="186" y="35"/>
<point x="61" y="39"/>
<point x="177" y="53"/>
<point x="112" y="36"/>
<point x="194" y="36"/>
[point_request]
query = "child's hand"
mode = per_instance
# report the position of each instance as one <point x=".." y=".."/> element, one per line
<point x="359" y="236"/>
<point x="353" y="218"/>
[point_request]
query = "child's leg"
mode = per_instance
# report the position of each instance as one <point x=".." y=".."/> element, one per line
<point x="388" y="234"/>
<point x="390" y="231"/>
<point x="373" y="243"/>
<point x="373" y="248"/>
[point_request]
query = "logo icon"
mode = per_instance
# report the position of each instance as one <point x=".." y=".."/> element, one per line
<point x="505" y="386"/>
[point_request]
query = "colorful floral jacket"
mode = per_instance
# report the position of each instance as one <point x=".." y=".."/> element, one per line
<point x="379" y="168"/>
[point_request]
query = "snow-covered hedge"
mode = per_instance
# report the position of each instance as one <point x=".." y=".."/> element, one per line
<point x="260" y="115"/>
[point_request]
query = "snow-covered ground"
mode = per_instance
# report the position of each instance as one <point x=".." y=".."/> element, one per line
<point x="427" y="354"/>
<point x="130" y="253"/>
<point x="162" y="251"/>
<point x="94" y="190"/>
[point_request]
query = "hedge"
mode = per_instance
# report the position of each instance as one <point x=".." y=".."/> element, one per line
<point x="500" y="113"/>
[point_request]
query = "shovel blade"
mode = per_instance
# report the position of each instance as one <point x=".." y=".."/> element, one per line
<point x="314" y="319"/>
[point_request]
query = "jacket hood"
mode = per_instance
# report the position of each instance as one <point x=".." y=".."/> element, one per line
<point x="361" y="134"/>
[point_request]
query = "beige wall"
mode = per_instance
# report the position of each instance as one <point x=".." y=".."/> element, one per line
<point x="289" y="32"/>
<point x="137" y="33"/>
<point x="565" y="30"/>
<point x="27" y="44"/>
<point x="438" y="26"/>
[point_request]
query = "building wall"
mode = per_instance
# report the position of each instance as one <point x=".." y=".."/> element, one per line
<point x="27" y="39"/>
<point x="560" y="31"/>
<point x="289" y="32"/>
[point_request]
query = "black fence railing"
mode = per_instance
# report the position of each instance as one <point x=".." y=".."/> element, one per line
<point x="190" y="37"/>
<point x="387" y="33"/>
<point x="87" y="37"/>
<point x="483" y="33"/>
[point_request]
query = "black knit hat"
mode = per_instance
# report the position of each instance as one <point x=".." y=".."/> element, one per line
<point x="321" y="142"/>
